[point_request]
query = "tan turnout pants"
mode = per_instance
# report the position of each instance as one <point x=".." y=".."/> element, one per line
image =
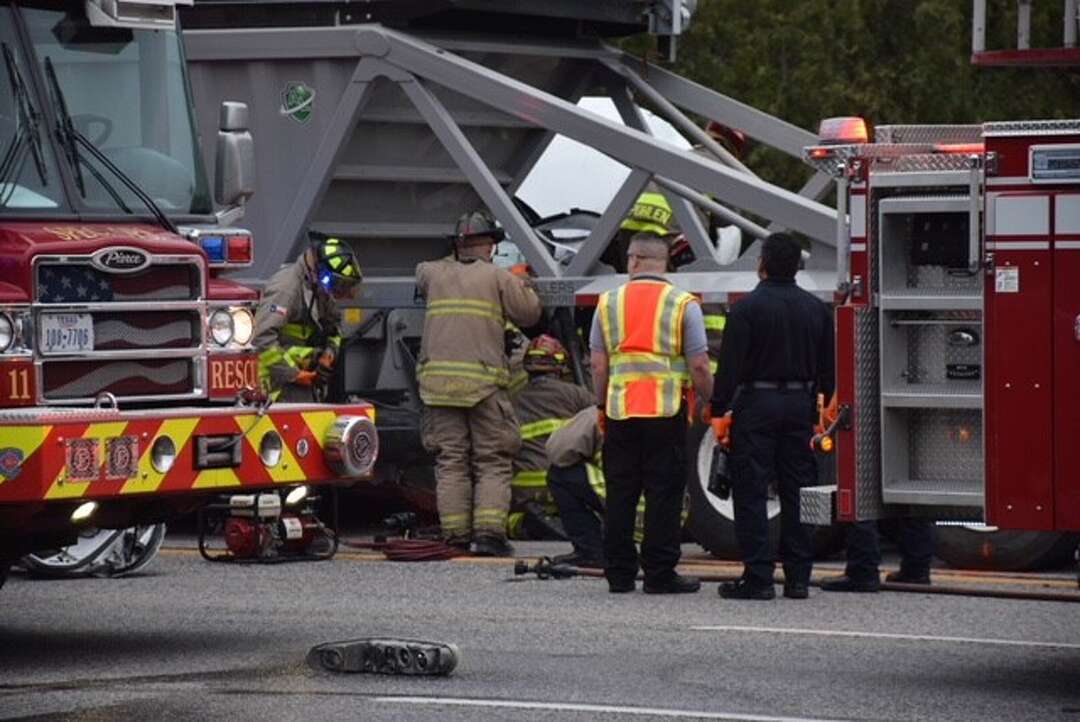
<point x="474" y="450"/>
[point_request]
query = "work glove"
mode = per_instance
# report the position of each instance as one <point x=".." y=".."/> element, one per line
<point x="305" y="378"/>
<point x="327" y="357"/>
<point x="722" y="430"/>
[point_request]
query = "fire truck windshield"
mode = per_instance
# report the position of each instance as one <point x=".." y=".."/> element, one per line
<point x="126" y="92"/>
<point x="28" y="178"/>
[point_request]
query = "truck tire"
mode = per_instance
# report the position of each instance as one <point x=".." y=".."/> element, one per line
<point x="712" y="520"/>
<point x="981" y="547"/>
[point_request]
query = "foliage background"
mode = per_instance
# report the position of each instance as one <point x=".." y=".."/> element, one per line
<point x="890" y="61"/>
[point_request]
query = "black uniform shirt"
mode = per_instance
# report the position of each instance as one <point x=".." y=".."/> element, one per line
<point x="779" y="332"/>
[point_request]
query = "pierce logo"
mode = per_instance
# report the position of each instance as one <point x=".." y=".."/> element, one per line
<point x="120" y="260"/>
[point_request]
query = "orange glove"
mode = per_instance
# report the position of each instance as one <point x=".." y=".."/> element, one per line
<point x="521" y="270"/>
<point x="828" y="414"/>
<point x="722" y="429"/>
<point x="601" y="421"/>
<point x="305" y="378"/>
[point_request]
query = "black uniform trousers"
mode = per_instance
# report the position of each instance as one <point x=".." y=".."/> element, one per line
<point x="580" y="509"/>
<point x="770" y="441"/>
<point x="644" y="455"/>
<point x="915" y="539"/>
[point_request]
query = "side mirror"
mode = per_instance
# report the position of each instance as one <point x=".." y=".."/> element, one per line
<point x="234" y="162"/>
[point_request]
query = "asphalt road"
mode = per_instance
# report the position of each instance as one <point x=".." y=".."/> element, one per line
<point x="194" y="640"/>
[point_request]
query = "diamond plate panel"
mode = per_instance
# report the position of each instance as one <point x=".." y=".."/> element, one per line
<point x="816" y="505"/>
<point x="928" y="353"/>
<point x="945" y="444"/>
<point x="928" y="133"/>
<point x="922" y="163"/>
<point x="1031" y="127"/>
<point x="868" y="504"/>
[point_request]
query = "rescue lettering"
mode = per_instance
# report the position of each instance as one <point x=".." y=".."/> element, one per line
<point x="231" y="374"/>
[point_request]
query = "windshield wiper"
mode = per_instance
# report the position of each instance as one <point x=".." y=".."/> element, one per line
<point x="26" y="131"/>
<point x="71" y="139"/>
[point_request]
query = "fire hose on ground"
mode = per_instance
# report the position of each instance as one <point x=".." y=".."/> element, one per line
<point x="545" y="568"/>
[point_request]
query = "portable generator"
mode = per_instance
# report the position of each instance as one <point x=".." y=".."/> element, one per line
<point x="272" y="526"/>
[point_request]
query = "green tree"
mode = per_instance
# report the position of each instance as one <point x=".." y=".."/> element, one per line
<point x="890" y="61"/>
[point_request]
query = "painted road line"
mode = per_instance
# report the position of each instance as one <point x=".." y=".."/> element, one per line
<point x="885" y="635"/>
<point x="590" y="708"/>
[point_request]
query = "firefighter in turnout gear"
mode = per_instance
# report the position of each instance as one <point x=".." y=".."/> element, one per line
<point x="463" y="374"/>
<point x="297" y="324"/>
<point x="648" y="348"/>
<point x="542" y="406"/>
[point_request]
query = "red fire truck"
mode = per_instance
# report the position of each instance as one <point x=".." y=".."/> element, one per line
<point x="127" y="375"/>
<point x="958" y="330"/>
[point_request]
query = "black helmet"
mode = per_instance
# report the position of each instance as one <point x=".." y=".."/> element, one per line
<point x="475" y="225"/>
<point x="335" y="263"/>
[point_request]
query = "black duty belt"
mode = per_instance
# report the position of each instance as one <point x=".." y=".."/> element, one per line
<point x="781" y="385"/>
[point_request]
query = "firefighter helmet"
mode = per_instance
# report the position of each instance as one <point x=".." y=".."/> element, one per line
<point x="545" y="355"/>
<point x="335" y="264"/>
<point x="476" y="228"/>
<point x="732" y="139"/>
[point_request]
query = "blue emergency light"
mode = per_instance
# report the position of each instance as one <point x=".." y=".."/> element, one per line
<point x="214" y="247"/>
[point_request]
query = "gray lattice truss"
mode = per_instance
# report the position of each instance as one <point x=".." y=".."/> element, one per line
<point x="717" y="185"/>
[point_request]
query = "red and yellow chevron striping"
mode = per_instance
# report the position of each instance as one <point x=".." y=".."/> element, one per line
<point x="58" y="455"/>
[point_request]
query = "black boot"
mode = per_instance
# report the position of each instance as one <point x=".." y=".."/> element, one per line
<point x="906" y="576"/>
<point x="678" y="584"/>
<point x="744" y="589"/>
<point x="844" y="583"/>
<point x="492" y="546"/>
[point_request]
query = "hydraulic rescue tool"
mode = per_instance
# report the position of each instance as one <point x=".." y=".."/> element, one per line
<point x="386" y="656"/>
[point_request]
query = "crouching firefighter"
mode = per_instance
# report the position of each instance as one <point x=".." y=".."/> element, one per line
<point x="463" y="374"/>
<point x="544" y="404"/>
<point x="297" y="324"/>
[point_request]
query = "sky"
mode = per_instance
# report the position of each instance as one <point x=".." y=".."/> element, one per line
<point x="572" y="175"/>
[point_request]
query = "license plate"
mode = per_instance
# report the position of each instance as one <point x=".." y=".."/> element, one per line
<point x="66" y="333"/>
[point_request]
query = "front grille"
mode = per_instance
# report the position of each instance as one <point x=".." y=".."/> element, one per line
<point x="75" y="380"/>
<point x="82" y="283"/>
<point x="148" y="338"/>
<point x="146" y="329"/>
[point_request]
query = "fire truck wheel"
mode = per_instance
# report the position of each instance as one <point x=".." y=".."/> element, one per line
<point x="982" y="547"/>
<point x="712" y="520"/>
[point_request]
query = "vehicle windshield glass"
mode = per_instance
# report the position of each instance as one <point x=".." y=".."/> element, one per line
<point x="29" y="179"/>
<point x="126" y="91"/>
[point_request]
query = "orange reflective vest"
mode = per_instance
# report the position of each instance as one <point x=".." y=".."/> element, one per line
<point x="642" y="325"/>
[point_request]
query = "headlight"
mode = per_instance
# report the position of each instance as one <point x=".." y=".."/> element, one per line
<point x="243" y="326"/>
<point x="163" y="454"/>
<point x="221" y="327"/>
<point x="7" y="332"/>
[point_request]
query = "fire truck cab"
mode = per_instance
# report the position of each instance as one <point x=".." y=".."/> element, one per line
<point x="128" y="380"/>
<point x="958" y="323"/>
